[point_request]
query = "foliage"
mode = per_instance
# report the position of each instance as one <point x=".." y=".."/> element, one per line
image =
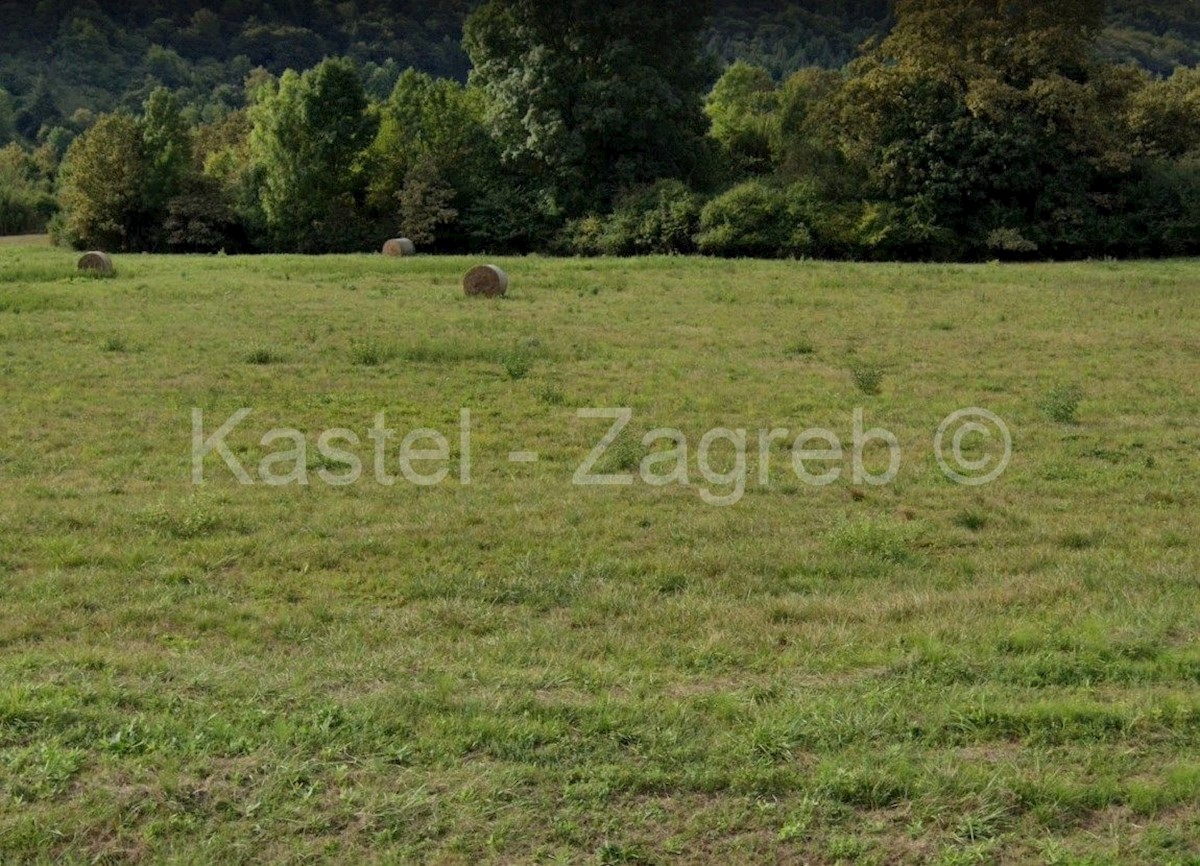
<point x="741" y="108"/>
<point x="752" y="219"/>
<point x="424" y="202"/>
<point x="201" y="219"/>
<point x="307" y="139"/>
<point x="103" y="186"/>
<point x="980" y="117"/>
<point x="8" y="120"/>
<point x="986" y="129"/>
<point x="588" y="99"/>
<point x="26" y="202"/>
<point x="167" y="145"/>
<point x="660" y="219"/>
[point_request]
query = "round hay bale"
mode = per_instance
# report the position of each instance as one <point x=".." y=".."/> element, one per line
<point x="399" y="248"/>
<point x="486" y="281"/>
<point x="96" y="262"/>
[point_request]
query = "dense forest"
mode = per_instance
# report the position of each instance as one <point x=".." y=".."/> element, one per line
<point x="61" y="56"/>
<point x="866" y="129"/>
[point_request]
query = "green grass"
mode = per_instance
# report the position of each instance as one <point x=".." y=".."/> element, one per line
<point x="521" y="670"/>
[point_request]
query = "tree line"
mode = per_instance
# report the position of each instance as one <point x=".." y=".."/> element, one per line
<point x="975" y="129"/>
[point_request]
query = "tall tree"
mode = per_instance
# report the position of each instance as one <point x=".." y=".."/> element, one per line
<point x="167" y="144"/>
<point x="588" y="98"/>
<point x="308" y="137"/>
<point x="984" y="118"/>
<point x="425" y="202"/>
<point x="102" y="186"/>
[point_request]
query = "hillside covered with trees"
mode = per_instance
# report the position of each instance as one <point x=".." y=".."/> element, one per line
<point x="985" y="128"/>
<point x="60" y="57"/>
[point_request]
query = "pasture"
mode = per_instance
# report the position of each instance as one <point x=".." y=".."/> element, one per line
<point x="521" y="669"/>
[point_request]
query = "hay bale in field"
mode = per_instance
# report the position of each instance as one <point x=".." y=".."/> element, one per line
<point x="399" y="248"/>
<point x="486" y="281"/>
<point x="96" y="262"/>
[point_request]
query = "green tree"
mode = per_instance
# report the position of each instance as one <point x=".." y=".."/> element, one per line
<point x="742" y="107"/>
<point x="200" y="219"/>
<point x="975" y="116"/>
<point x="308" y="138"/>
<point x="102" y="186"/>
<point x="26" y="203"/>
<point x="804" y="141"/>
<point x="1165" y="115"/>
<point x="38" y="109"/>
<point x="429" y="118"/>
<point x="586" y="98"/>
<point x="443" y="122"/>
<point x="425" y="202"/>
<point x="167" y="145"/>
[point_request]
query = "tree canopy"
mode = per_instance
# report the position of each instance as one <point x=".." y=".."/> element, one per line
<point x="967" y="129"/>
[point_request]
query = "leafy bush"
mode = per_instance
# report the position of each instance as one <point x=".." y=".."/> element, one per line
<point x="1159" y="213"/>
<point x="889" y="231"/>
<point x="1008" y="243"/>
<point x="660" y="219"/>
<point x="752" y="219"/>
<point x="26" y="204"/>
<point x="200" y="220"/>
<point x="581" y="237"/>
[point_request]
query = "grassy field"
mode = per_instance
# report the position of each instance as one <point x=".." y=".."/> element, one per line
<point x="525" y="670"/>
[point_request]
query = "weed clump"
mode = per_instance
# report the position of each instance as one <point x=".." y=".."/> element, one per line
<point x="1062" y="404"/>
<point x="868" y="378"/>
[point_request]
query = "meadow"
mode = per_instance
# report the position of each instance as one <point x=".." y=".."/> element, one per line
<point x="523" y="670"/>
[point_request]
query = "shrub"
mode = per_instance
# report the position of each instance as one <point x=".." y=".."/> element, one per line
<point x="1009" y="243"/>
<point x="201" y="220"/>
<point x="752" y="219"/>
<point x="26" y="204"/>
<point x="660" y="219"/>
<point x="833" y="227"/>
<point x="1159" y="212"/>
<point x="581" y="237"/>
<point x="892" y="231"/>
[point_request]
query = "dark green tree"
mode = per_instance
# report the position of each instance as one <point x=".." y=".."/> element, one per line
<point x="425" y="202"/>
<point x="102" y="186"/>
<point x="588" y="98"/>
<point x="982" y="116"/>
<point x="39" y="109"/>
